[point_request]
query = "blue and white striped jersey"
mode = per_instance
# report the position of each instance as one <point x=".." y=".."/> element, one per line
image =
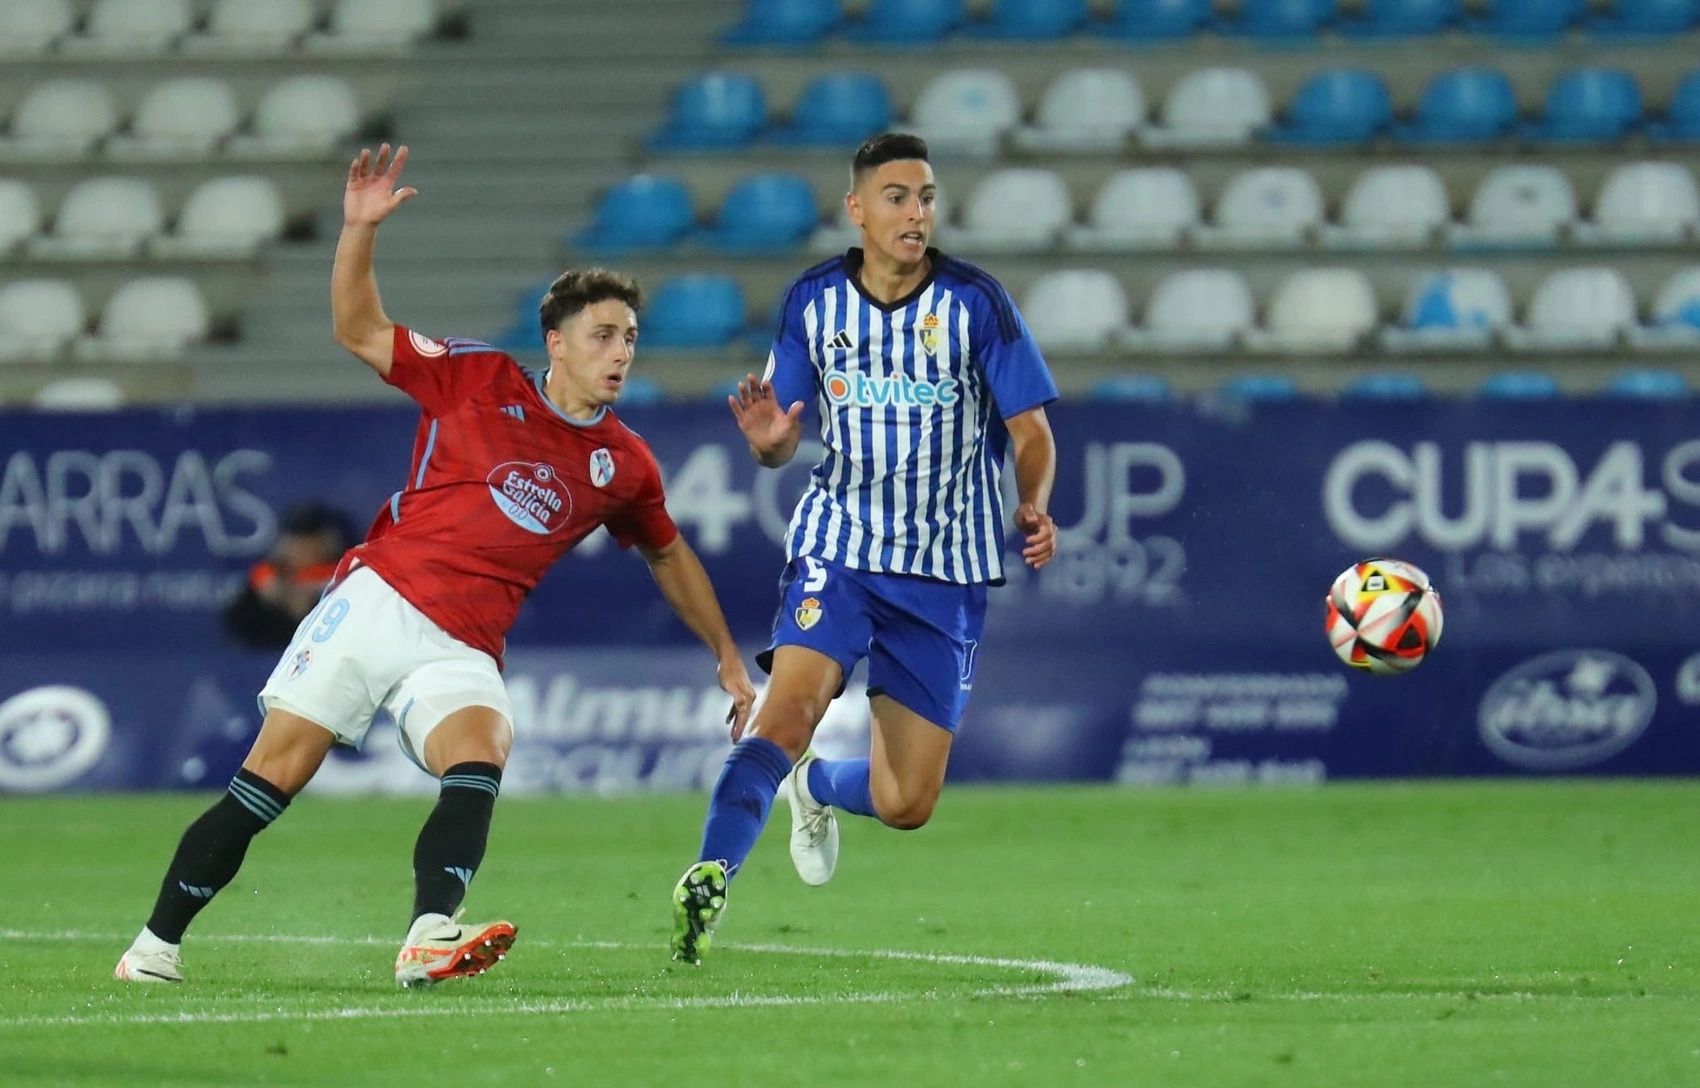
<point x="911" y="398"/>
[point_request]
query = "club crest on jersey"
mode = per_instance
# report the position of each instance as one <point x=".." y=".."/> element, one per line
<point x="808" y="613"/>
<point x="601" y="467"/>
<point x="531" y="495"/>
<point x="424" y="345"/>
<point x="929" y="335"/>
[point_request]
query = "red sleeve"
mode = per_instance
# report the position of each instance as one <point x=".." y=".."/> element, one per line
<point x="645" y="520"/>
<point x="442" y="375"/>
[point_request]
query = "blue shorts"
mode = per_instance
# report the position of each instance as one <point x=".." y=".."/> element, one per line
<point x="920" y="635"/>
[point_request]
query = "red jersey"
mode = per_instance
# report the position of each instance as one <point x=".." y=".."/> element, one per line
<point x="502" y="484"/>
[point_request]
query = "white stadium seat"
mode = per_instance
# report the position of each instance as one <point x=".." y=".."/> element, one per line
<point x="225" y="217"/>
<point x="1201" y="309"/>
<point x="78" y="395"/>
<point x="253" y="27"/>
<point x="1211" y="106"/>
<point x="966" y="111"/>
<point x="20" y="214"/>
<point x="1019" y="209"/>
<point x="102" y="218"/>
<point x="1576" y="309"/>
<point x="1391" y="206"/>
<point x="62" y="118"/>
<point x="1675" y="318"/>
<point x="1454" y="309"/>
<point x="1265" y="206"/>
<point x="1318" y="310"/>
<point x="1518" y="205"/>
<point x="185" y="117"/>
<point x="131" y="27"/>
<point x="1075" y="310"/>
<point x="38" y="318"/>
<point x="31" y="27"/>
<point x="151" y="318"/>
<point x="375" y="26"/>
<point x="1147" y="207"/>
<point x="1644" y="203"/>
<point x="302" y="115"/>
<point x="1086" y="109"/>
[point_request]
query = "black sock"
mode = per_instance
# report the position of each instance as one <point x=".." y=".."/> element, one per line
<point x="211" y="851"/>
<point x="451" y="844"/>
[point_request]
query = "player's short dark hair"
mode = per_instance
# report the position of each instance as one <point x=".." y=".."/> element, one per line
<point x="876" y="151"/>
<point x="577" y="288"/>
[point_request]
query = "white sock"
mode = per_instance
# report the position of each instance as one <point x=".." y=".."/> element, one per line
<point x="146" y="942"/>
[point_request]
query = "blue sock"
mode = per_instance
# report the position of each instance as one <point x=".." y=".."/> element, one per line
<point x="742" y="796"/>
<point x="843" y="784"/>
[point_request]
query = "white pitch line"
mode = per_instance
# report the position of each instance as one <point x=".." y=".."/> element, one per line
<point x="1067" y="978"/>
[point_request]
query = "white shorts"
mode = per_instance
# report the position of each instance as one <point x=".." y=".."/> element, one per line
<point x="363" y="650"/>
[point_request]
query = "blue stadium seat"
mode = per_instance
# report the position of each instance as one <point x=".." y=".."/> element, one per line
<point x="700" y="310"/>
<point x="1682" y="115"/>
<point x="1282" y="20"/>
<point x="1131" y="389"/>
<point x="1157" y="20"/>
<point x="638" y="391"/>
<point x="838" y="109"/>
<point x="524" y="334"/>
<point x="1032" y="19"/>
<point x="1519" y="385"/>
<point x="1531" y="20"/>
<point x="1405" y="18"/>
<point x="785" y="22"/>
<point x="1464" y="105"/>
<point x="644" y="213"/>
<point x="765" y="212"/>
<point x="1648" y="385"/>
<point x="1260" y="387"/>
<point x="1590" y="104"/>
<point x="720" y="390"/>
<point x="1647" y="19"/>
<point x="1337" y="106"/>
<point x="908" y="22"/>
<point x="1385" y="387"/>
<point x="714" y="110"/>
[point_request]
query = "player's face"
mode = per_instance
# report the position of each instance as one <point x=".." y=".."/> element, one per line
<point x="593" y="349"/>
<point x="893" y="205"/>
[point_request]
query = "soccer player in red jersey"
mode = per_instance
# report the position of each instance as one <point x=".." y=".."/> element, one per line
<point x="509" y="472"/>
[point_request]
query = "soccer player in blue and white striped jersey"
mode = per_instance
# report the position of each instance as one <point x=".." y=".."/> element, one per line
<point x="924" y="376"/>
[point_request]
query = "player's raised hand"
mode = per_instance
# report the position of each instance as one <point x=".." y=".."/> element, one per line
<point x="371" y="194"/>
<point x="766" y="426"/>
<point x="735" y="681"/>
<point x="1041" y="534"/>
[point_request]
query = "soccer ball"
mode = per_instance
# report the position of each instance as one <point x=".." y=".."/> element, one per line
<point x="1383" y="616"/>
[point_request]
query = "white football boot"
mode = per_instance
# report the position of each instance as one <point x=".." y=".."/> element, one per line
<point x="149" y="959"/>
<point x="814" y="829"/>
<point x="438" y="948"/>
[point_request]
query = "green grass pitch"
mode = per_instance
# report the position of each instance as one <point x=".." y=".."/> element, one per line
<point x="1523" y="934"/>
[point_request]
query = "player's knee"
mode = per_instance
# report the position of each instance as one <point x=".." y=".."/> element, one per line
<point x="788" y="721"/>
<point x="904" y="812"/>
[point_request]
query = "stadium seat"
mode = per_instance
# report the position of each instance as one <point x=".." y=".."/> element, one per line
<point x="61" y="118"/>
<point x="1391" y="206"/>
<point x="1211" y="107"/>
<point x="1147" y="207"/>
<point x="1385" y="386"/>
<point x="764" y="212"/>
<point x="714" y="110"/>
<point x="253" y="26"/>
<point x="1646" y="19"/>
<point x="1259" y="388"/>
<point x="1675" y="316"/>
<point x="637" y="390"/>
<point x="1085" y="109"/>
<point x="1526" y="20"/>
<point x="641" y="214"/>
<point x="838" y="109"/>
<point x="151" y="318"/>
<point x="131" y="28"/>
<point x="694" y="311"/>
<point x="785" y="22"/>
<point x="966" y="111"/>
<point x="1337" y="106"/>
<point x="31" y="27"/>
<point x="1463" y="105"/>
<point x="1156" y="20"/>
<point x="837" y="235"/>
<point x="225" y="217"/>
<point x="1075" y="310"/>
<point x="102" y="218"/>
<point x="180" y="118"/>
<point x="20" y="214"/>
<point x="1032" y="19"/>
<point x="908" y="22"/>
<point x="1201" y="309"/>
<point x="1576" y="309"/>
<point x="1519" y="385"/>
<point x="1682" y="114"/>
<point x="1644" y="203"/>
<point x="1456" y="309"/>
<point x="1518" y="206"/>
<point x="1281" y="20"/>
<point x="1015" y="209"/>
<point x="1264" y="206"/>
<point x="38" y="319"/>
<point x="1648" y="385"/>
<point x="78" y="395"/>
<point x="1404" y="18"/>
<point x="301" y="115"/>
<point x="1589" y="104"/>
<point x="375" y="26"/>
<point x="1131" y="389"/>
<point x="1318" y="310"/>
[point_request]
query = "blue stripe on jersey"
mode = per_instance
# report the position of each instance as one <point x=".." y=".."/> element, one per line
<point x="395" y="506"/>
<point x="425" y="459"/>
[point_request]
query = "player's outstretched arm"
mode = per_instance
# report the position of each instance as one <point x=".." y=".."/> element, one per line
<point x="357" y="314"/>
<point x="1035" y="469"/>
<point x="685" y="584"/>
<point x="772" y="432"/>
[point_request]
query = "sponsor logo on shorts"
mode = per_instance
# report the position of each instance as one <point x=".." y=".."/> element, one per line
<point x="298" y="664"/>
<point x="426" y="346"/>
<point x="601" y="467"/>
<point x="531" y="496"/>
<point x="808" y="612"/>
<point x="1567" y="709"/>
<point x="50" y="736"/>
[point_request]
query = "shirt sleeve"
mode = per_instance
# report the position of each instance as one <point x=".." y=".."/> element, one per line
<point x="645" y="521"/>
<point x="1006" y="351"/>
<point x="789" y="366"/>
<point x="441" y="375"/>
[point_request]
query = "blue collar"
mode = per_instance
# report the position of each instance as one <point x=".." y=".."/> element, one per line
<point x="543" y="395"/>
